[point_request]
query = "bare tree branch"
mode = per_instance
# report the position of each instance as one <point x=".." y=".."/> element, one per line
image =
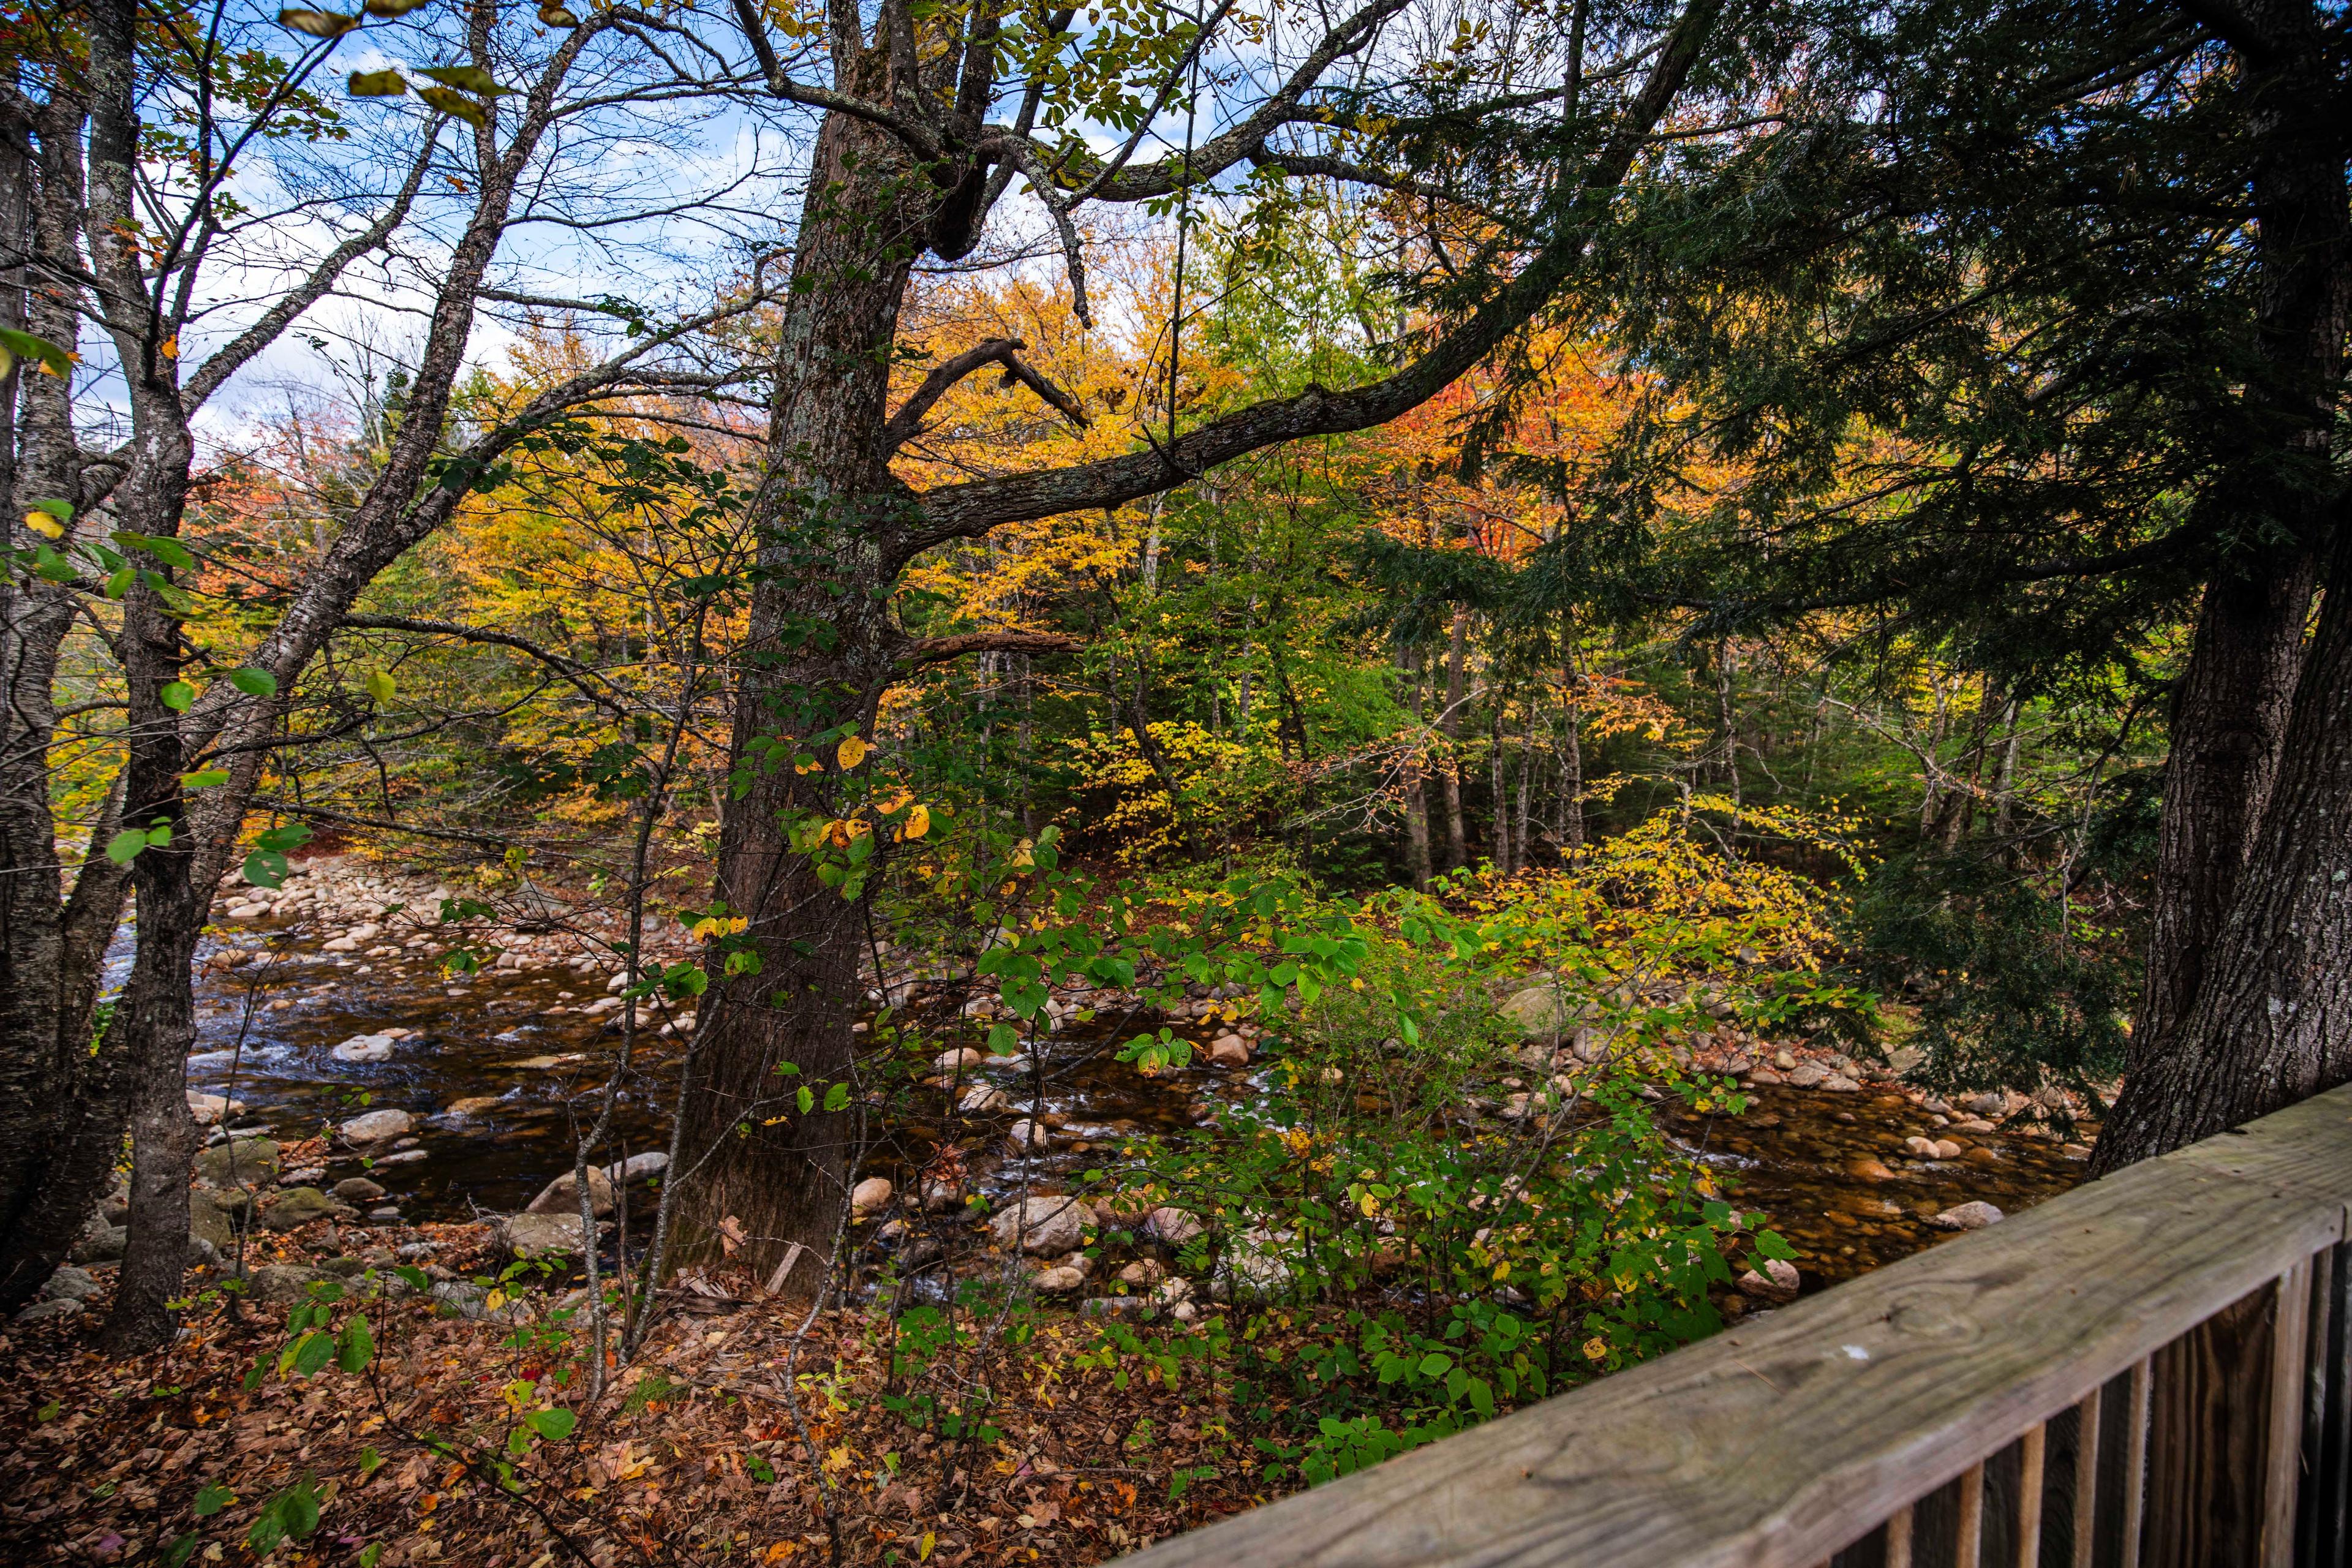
<point x="905" y="424"/>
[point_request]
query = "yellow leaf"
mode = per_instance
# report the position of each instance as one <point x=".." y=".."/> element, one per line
<point x="852" y="753"/>
<point x="919" y="822"/>
<point x="170" y="347"/>
<point x="42" y="523"/>
<point x="923" y="1547"/>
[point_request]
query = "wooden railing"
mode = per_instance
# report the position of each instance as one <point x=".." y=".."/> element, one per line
<point x="2147" y="1372"/>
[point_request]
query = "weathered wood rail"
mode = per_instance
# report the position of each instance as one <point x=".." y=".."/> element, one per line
<point x="2149" y="1371"/>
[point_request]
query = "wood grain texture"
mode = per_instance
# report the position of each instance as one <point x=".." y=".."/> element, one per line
<point x="2208" y="1429"/>
<point x="1777" y="1443"/>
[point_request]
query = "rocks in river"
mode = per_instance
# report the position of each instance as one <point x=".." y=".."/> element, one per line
<point x="531" y="1235"/>
<point x="1043" y="1227"/>
<point x="1173" y="1227"/>
<point x="298" y="1207"/>
<point x="870" y="1195"/>
<point x="1028" y="1137"/>
<point x="238" y="1160"/>
<point x="208" y="1109"/>
<point x="1838" y="1083"/>
<point x="378" y="1127"/>
<point x="474" y="1105"/>
<point x="405" y="1157"/>
<point x="652" y="1162"/>
<point x="1866" y="1169"/>
<point x="1228" y="1051"/>
<point x="1784" y="1060"/>
<point x="1143" y="1273"/>
<point x="1775" y="1282"/>
<point x="1947" y="1149"/>
<point x="1972" y="1215"/>
<point x="1992" y="1102"/>
<point x="2076" y="1151"/>
<point x="1059" y="1281"/>
<point x="357" y="1189"/>
<point x="983" y="1100"/>
<point x="955" y="1061"/>
<point x="1806" y="1075"/>
<point x="942" y="1197"/>
<point x="308" y="1176"/>
<point x="365" y="1048"/>
<point x="1921" y="1148"/>
<point x="561" y="1195"/>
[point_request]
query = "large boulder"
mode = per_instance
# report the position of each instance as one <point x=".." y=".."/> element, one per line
<point x="213" y="1217"/>
<point x="358" y="1190"/>
<point x="283" y="1283"/>
<point x="1539" y="1010"/>
<point x="365" y="1048"/>
<point x="238" y="1160"/>
<point x="1776" y="1283"/>
<point x="378" y="1127"/>
<point x="561" y="1195"/>
<point x="1043" y="1227"/>
<point x="531" y="1234"/>
<point x="297" y="1206"/>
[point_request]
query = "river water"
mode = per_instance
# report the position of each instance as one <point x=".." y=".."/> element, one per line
<point x="501" y="1067"/>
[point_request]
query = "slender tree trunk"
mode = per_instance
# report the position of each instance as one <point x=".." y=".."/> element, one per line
<point x="1458" y="847"/>
<point x="1416" y="795"/>
<point x="1571" y="755"/>
<point x="1499" y="817"/>
<point x="1527" y="788"/>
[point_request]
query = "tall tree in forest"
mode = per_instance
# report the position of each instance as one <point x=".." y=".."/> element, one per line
<point x="1507" y="121"/>
<point x="2032" y="324"/>
<point x="142" y="232"/>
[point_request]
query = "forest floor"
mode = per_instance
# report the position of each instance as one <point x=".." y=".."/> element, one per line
<point x="692" y="1455"/>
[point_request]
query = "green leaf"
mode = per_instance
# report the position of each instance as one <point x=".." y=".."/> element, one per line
<point x="377" y="84"/>
<point x="1004" y="1039"/>
<point x="313" y="1351"/>
<point x="836" y="1096"/>
<point x="552" y="1425"/>
<point x="176" y="695"/>
<point x="284" y="839"/>
<point x="213" y="1499"/>
<point x="806" y="1098"/>
<point x="118" y="584"/>
<point x="369" y="1462"/>
<point x="178" y="1552"/>
<point x="369" y="1554"/>
<point x="467" y="78"/>
<point x="170" y="552"/>
<point x="15" y="345"/>
<point x="205" y="778"/>
<point x="254" y="682"/>
<point x="355" y="1347"/>
<point x="380" y="686"/>
<point x="125" y="847"/>
<point x="1434" y="1364"/>
<point x="265" y="868"/>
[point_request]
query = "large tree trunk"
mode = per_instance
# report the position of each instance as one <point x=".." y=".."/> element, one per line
<point x="2273" y="1022"/>
<point x="2229" y="720"/>
<point x="818" y="655"/>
